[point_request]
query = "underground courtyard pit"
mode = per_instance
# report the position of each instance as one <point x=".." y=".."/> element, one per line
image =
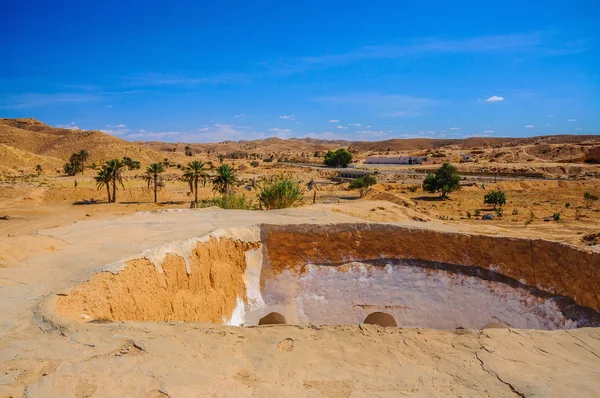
<point x="347" y="274"/>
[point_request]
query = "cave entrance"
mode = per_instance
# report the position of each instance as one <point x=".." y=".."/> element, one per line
<point x="274" y="318"/>
<point x="381" y="319"/>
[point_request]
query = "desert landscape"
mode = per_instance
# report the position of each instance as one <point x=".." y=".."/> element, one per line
<point x="251" y="268"/>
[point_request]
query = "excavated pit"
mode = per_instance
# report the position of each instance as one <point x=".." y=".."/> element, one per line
<point x="348" y="274"/>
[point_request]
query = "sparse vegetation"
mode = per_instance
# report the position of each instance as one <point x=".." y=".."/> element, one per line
<point x="111" y="176"/>
<point x="339" y="158"/>
<point x="589" y="199"/>
<point x="132" y="164"/>
<point x="153" y="171"/>
<point x="363" y="184"/>
<point x="567" y="205"/>
<point x="230" y="202"/>
<point x="192" y="174"/>
<point x="556" y="216"/>
<point x="38" y="169"/>
<point x="530" y="218"/>
<point x="413" y="188"/>
<point x="495" y="197"/>
<point x="499" y="211"/>
<point x="280" y="192"/>
<point x="224" y="180"/>
<point x="469" y="215"/>
<point x="444" y="180"/>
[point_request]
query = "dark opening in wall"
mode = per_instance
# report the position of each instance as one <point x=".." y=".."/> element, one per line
<point x="274" y="318"/>
<point x="381" y="319"/>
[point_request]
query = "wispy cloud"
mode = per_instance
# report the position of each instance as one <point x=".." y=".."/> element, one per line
<point x="33" y="100"/>
<point x="536" y="43"/>
<point x="334" y="121"/>
<point x="116" y="129"/>
<point x="144" y="135"/>
<point x="382" y="105"/>
<point x="454" y="128"/>
<point x="341" y="128"/>
<point x="288" y="117"/>
<point x="238" y="116"/>
<point x="550" y="115"/>
<point x="70" y="126"/>
<point x="355" y="125"/>
<point x="280" y="132"/>
<point x="529" y="126"/>
<point x="494" y="98"/>
<point x="572" y="120"/>
<point x="166" y="79"/>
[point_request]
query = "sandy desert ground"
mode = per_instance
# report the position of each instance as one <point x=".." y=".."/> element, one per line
<point x="52" y="250"/>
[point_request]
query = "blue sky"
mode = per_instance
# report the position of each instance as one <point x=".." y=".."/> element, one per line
<point x="211" y="71"/>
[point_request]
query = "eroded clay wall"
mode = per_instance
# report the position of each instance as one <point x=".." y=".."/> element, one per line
<point x="553" y="267"/>
<point x="206" y="287"/>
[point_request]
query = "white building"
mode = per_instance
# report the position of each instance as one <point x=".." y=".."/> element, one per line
<point x="395" y="159"/>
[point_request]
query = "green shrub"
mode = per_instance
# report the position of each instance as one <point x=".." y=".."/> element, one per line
<point x="254" y="163"/>
<point x="229" y="202"/>
<point x="364" y="184"/>
<point x="280" y="193"/>
<point x="567" y="205"/>
<point x="477" y="213"/>
<point x="589" y="198"/>
<point x="469" y="215"/>
<point x="413" y="188"/>
<point x="556" y="216"/>
<point x="496" y="198"/>
<point x="499" y="212"/>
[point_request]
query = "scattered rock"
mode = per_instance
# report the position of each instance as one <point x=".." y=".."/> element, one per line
<point x="286" y="345"/>
<point x="5" y="218"/>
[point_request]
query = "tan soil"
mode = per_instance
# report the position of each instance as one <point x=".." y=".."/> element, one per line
<point x="141" y="293"/>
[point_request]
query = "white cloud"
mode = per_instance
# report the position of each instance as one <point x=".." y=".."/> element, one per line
<point x="115" y="129"/>
<point x="494" y="98"/>
<point x="572" y="120"/>
<point x="150" y="135"/>
<point x="288" y="117"/>
<point x="550" y="115"/>
<point x="281" y="133"/>
<point x="334" y="121"/>
<point x="341" y="127"/>
<point x="454" y="128"/>
<point x="579" y="129"/>
<point x="240" y="115"/>
<point x="488" y="131"/>
<point x="529" y="126"/>
<point x="355" y="125"/>
<point x="547" y="124"/>
<point x="70" y="126"/>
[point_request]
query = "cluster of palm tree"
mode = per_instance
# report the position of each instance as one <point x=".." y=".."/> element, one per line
<point x="76" y="163"/>
<point x="110" y="176"/>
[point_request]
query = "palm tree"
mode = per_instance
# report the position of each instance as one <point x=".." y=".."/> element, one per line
<point x="153" y="171"/>
<point x="224" y="179"/>
<point x="83" y="156"/>
<point x="103" y="179"/>
<point x="192" y="173"/>
<point x="115" y="168"/>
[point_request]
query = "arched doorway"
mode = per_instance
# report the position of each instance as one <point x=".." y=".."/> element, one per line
<point x="274" y="318"/>
<point x="381" y="319"/>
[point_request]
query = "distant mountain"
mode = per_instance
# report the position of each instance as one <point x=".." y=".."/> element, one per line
<point x="33" y="136"/>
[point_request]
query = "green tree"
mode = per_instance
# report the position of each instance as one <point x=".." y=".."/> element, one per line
<point x="103" y="179"/>
<point x="280" y="192"/>
<point x="115" y="168"/>
<point x="496" y="198"/>
<point x="192" y="174"/>
<point x="224" y="180"/>
<point x="589" y="198"/>
<point x="339" y="158"/>
<point x="364" y="184"/>
<point x="131" y="164"/>
<point x="83" y="156"/>
<point x="154" y="170"/>
<point x="444" y="180"/>
<point x="38" y="169"/>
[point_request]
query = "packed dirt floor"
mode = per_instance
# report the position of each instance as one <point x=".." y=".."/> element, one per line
<point x="45" y="355"/>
